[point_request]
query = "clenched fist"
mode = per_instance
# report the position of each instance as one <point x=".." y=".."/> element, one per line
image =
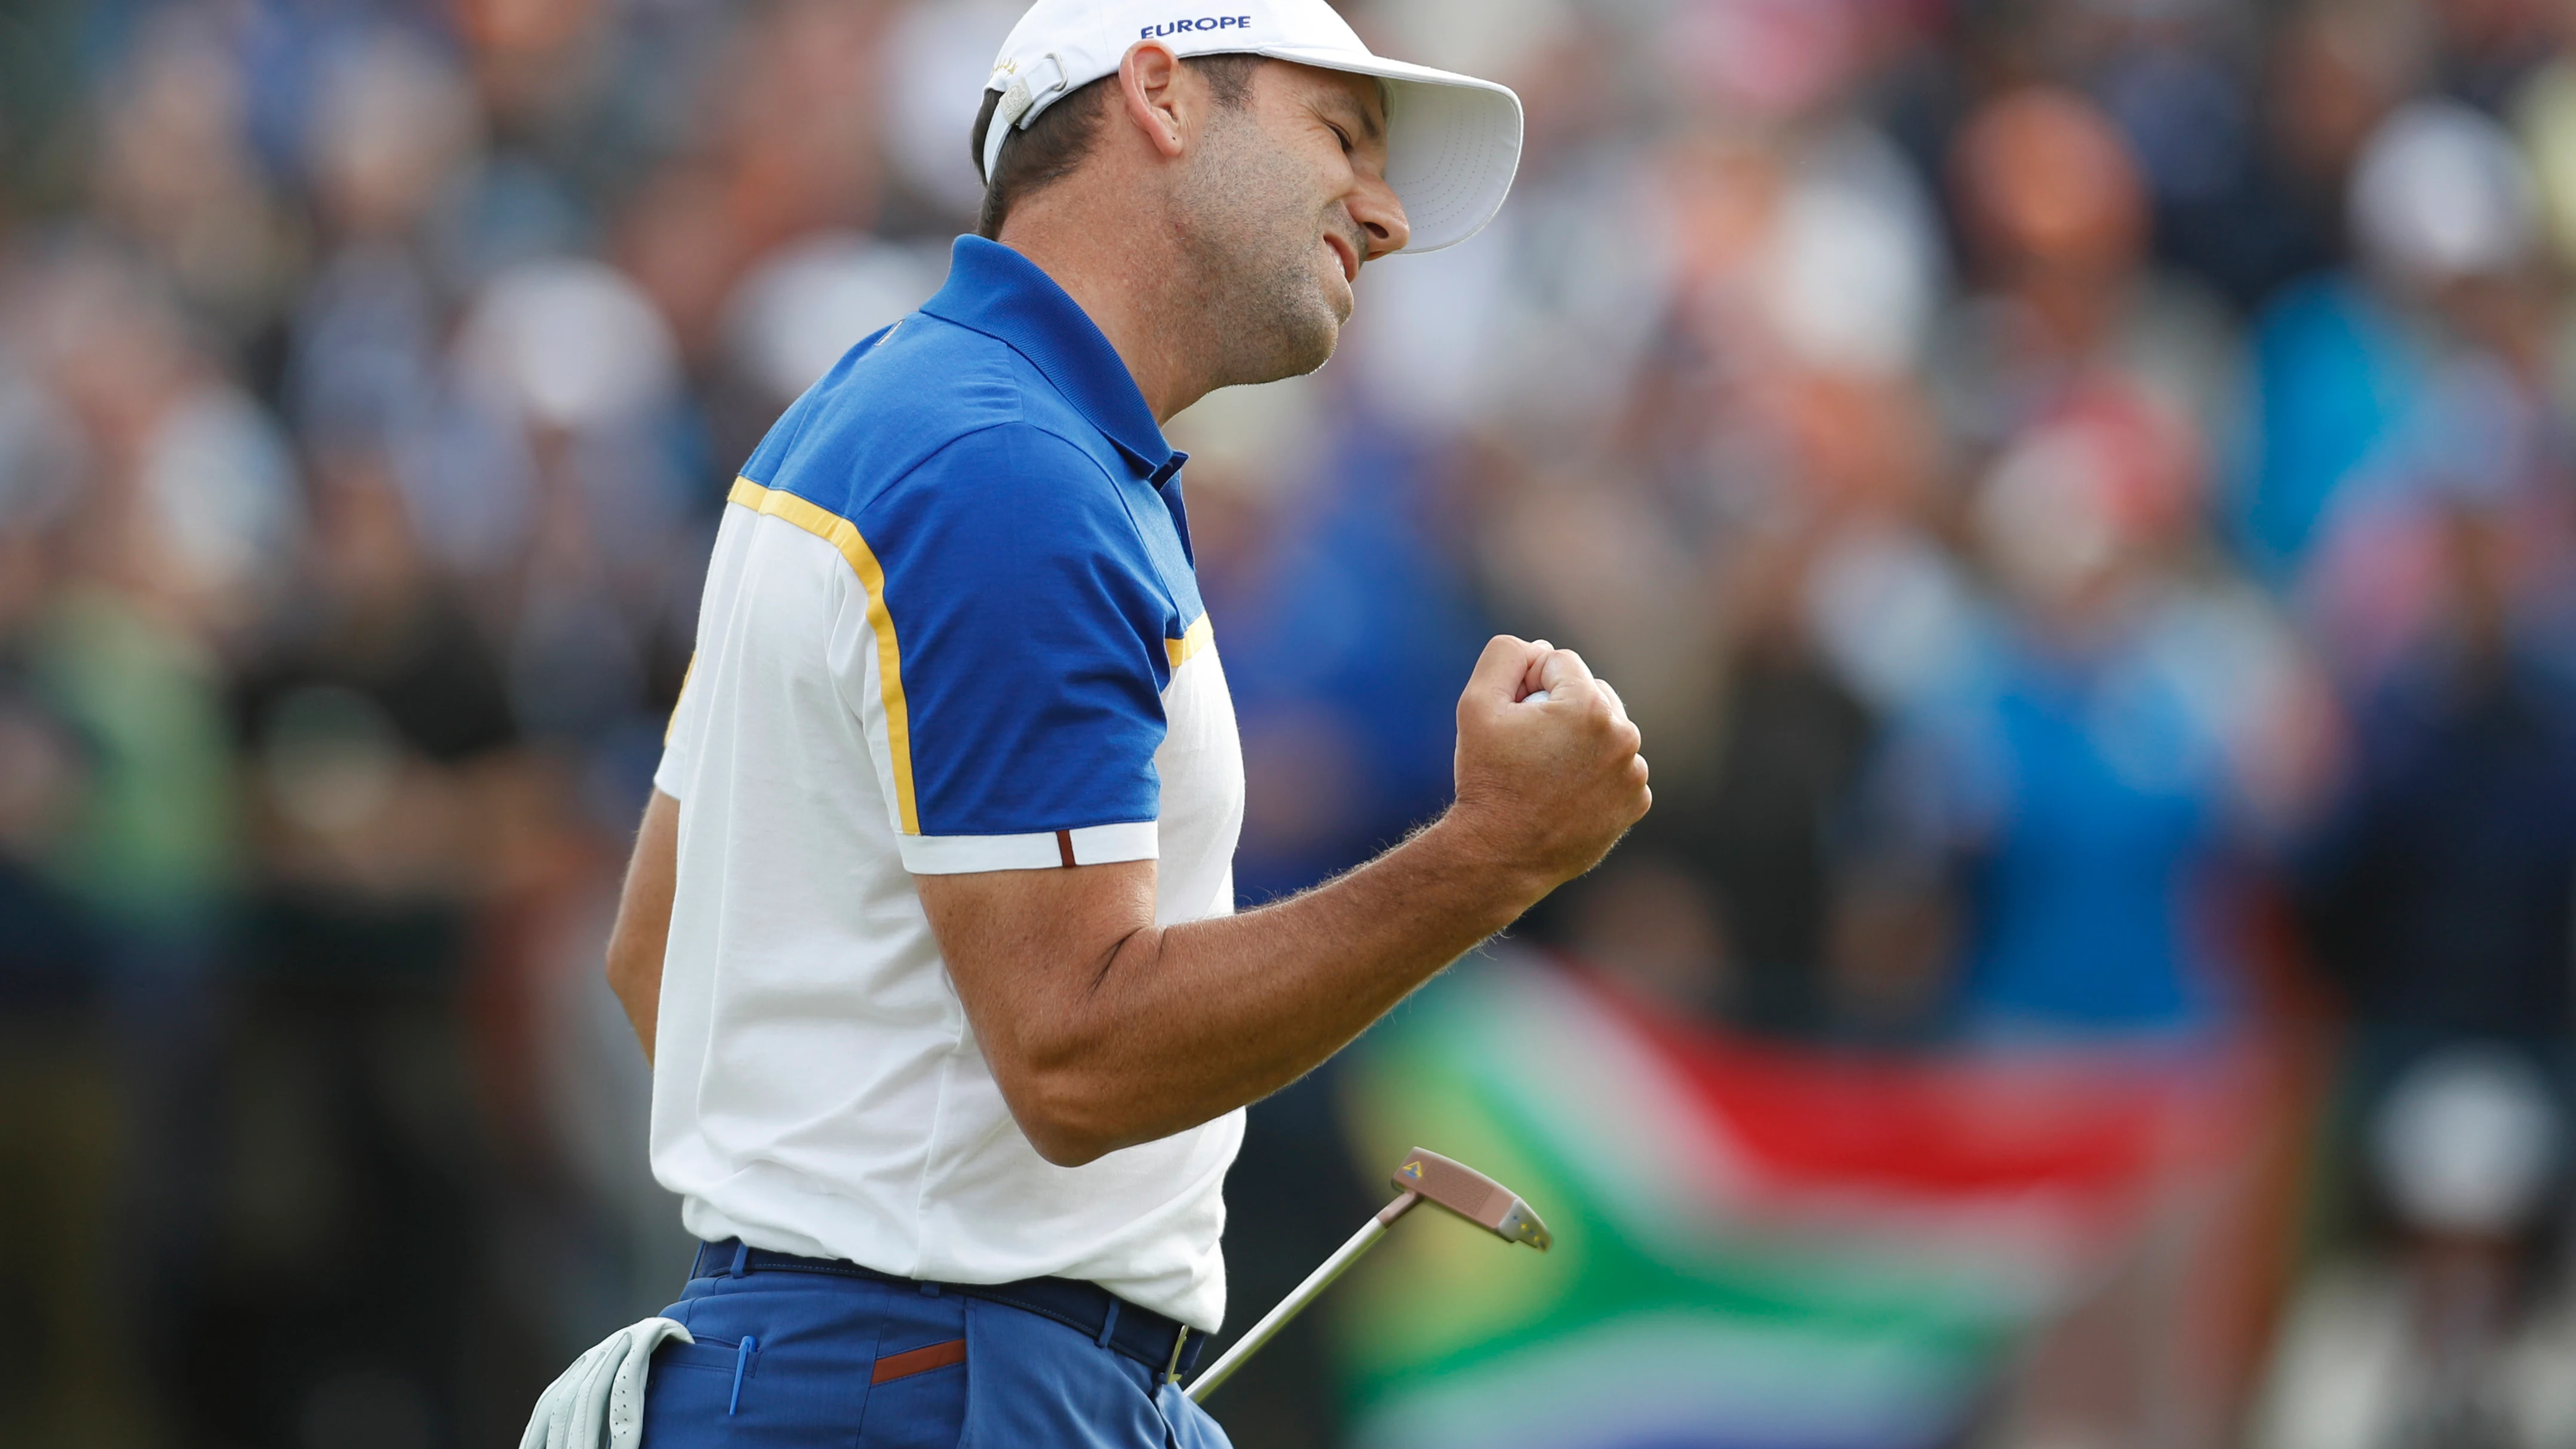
<point x="1549" y="776"/>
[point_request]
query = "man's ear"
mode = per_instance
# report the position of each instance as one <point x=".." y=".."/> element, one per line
<point x="1150" y="81"/>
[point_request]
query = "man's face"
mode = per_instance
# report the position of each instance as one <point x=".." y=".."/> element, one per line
<point x="1286" y="200"/>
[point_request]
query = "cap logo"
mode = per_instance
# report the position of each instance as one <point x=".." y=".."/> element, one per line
<point x="1184" y="27"/>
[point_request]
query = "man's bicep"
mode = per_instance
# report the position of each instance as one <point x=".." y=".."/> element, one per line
<point x="642" y="933"/>
<point x="1026" y="949"/>
<point x="1021" y="944"/>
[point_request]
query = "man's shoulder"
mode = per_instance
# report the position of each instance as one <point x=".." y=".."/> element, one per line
<point x="925" y="397"/>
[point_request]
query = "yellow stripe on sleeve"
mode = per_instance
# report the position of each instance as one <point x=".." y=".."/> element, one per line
<point x="1198" y="636"/>
<point x="673" y="727"/>
<point x="843" y="535"/>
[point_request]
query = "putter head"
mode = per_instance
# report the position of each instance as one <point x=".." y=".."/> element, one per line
<point x="1471" y="1195"/>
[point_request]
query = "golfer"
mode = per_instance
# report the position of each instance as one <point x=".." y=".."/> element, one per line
<point x="930" y="930"/>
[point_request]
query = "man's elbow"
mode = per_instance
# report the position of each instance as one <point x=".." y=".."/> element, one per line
<point x="1061" y="1112"/>
<point x="623" y="972"/>
<point x="1064" y="1145"/>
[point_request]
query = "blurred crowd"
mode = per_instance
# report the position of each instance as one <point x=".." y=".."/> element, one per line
<point x="2079" y="494"/>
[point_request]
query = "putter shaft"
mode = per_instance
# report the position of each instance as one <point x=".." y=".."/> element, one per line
<point x="1295" y="1303"/>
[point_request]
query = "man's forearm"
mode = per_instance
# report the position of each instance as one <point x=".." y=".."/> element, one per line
<point x="1181" y="1025"/>
<point x="1104" y="1031"/>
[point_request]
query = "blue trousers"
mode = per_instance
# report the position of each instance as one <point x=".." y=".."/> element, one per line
<point x="803" y="1360"/>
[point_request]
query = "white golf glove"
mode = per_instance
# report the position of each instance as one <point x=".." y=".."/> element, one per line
<point x="599" y="1401"/>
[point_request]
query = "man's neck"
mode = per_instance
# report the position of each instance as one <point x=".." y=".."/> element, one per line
<point x="1125" y="288"/>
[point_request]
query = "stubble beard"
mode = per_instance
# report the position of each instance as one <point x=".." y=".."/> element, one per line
<point x="1251" y="242"/>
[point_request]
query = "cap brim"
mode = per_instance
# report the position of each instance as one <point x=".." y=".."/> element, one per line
<point x="1453" y="142"/>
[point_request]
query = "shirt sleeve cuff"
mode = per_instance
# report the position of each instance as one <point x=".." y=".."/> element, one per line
<point x="666" y="776"/>
<point x="1053" y="850"/>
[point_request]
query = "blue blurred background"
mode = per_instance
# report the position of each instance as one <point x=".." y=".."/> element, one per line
<point x="2079" y="494"/>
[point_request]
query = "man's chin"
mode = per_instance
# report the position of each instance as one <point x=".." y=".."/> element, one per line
<point x="1309" y="350"/>
<point x="1304" y="343"/>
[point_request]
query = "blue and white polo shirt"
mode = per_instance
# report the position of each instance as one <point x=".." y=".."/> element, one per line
<point x="951" y="625"/>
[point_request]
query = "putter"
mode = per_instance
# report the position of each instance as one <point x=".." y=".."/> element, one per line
<point x="1424" y="1177"/>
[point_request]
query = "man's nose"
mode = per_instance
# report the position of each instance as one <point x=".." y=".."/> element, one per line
<point x="1375" y="207"/>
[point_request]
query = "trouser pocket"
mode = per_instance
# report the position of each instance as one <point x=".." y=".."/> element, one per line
<point x="785" y="1361"/>
<point x="699" y="1392"/>
<point x="917" y="1395"/>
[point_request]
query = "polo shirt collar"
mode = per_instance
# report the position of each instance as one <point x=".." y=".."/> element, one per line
<point x="996" y="291"/>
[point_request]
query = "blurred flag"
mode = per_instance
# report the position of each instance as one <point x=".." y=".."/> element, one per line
<point x="1757" y="1245"/>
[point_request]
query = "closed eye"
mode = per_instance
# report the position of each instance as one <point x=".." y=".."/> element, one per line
<point x="1342" y="136"/>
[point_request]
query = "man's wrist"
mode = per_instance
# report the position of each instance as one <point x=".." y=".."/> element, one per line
<point x="1463" y="841"/>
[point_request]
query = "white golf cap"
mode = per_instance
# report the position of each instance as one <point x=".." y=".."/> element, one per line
<point x="1453" y="144"/>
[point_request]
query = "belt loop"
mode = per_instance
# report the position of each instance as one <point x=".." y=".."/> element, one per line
<point x="1179" y="1340"/>
<point x="741" y="1258"/>
<point x="1109" y="1325"/>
